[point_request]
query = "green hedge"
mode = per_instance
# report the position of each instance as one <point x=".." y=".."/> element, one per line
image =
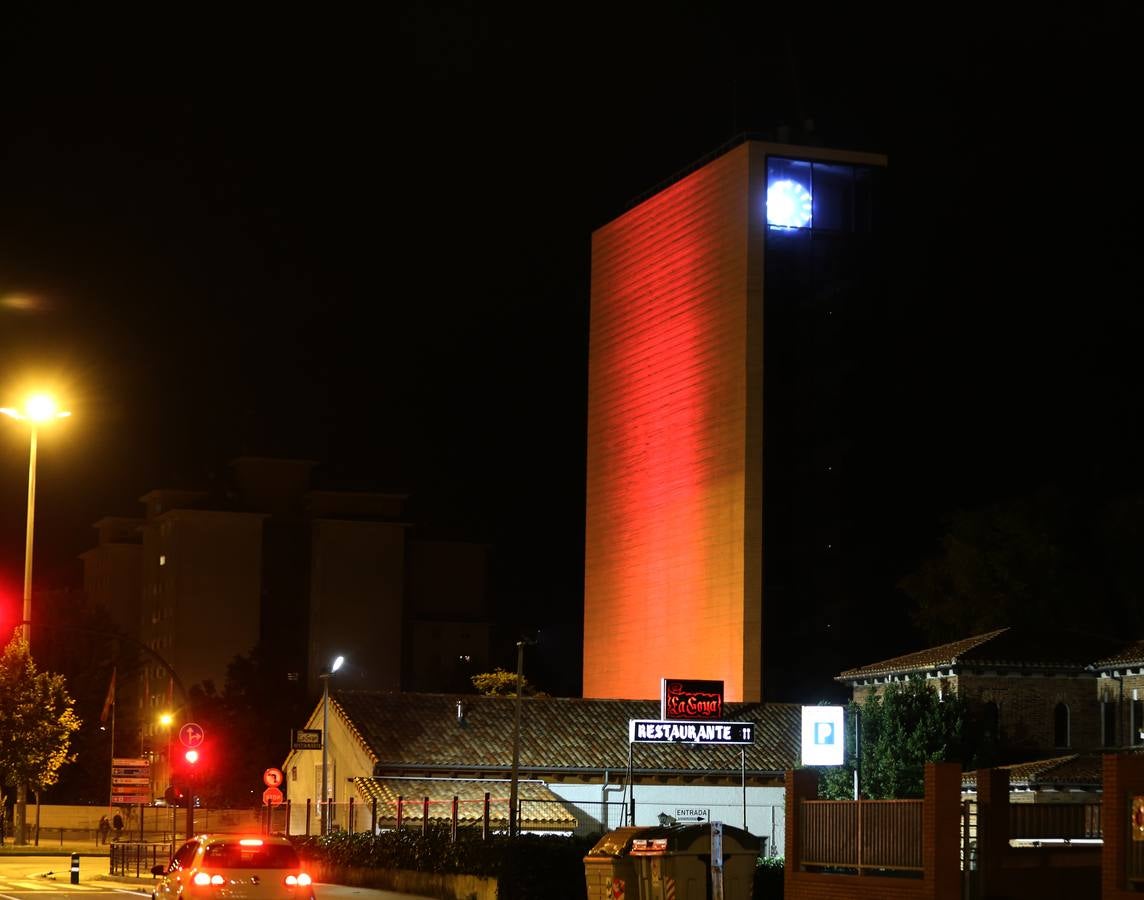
<point x="532" y="866"/>
<point x="769" y="878"/>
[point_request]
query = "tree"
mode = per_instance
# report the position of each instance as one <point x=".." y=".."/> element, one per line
<point x="1030" y="558"/>
<point x="247" y="728"/>
<point x="37" y="721"/>
<point x="900" y="731"/>
<point x="499" y="683"/>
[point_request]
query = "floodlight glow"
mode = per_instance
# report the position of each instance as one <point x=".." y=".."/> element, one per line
<point x="337" y="663"/>
<point x="789" y="204"/>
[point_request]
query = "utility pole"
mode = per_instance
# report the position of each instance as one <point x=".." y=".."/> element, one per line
<point x="513" y="824"/>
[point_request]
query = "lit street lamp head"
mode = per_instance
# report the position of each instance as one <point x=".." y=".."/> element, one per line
<point x="38" y="408"/>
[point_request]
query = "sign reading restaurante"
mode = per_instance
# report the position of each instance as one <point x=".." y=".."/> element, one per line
<point x="646" y="731"/>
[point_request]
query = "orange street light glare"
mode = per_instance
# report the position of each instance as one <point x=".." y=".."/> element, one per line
<point x="37" y="408"/>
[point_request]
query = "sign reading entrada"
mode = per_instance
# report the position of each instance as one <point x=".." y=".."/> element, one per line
<point x="647" y="731"/>
<point x="690" y="700"/>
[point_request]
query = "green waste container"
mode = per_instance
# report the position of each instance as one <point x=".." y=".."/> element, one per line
<point x="673" y="862"/>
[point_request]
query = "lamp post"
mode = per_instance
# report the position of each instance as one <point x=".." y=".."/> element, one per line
<point x="166" y="719"/>
<point x="325" y="676"/>
<point x="38" y="410"/>
<point x="513" y="824"/>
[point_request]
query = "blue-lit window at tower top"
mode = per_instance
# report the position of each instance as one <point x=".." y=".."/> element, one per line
<point x="817" y="195"/>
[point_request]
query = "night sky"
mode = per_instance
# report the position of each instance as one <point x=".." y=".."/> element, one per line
<point x="366" y="242"/>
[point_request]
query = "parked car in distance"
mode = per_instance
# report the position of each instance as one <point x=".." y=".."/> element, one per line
<point x="233" y="867"/>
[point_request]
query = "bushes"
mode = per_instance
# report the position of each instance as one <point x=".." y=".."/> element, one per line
<point x="531" y="866"/>
<point x="769" y="878"/>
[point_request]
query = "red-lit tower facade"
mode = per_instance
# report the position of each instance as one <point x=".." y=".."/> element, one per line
<point x="690" y="401"/>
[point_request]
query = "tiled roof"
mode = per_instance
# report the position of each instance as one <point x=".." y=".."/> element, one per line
<point x="1018" y="647"/>
<point x="1131" y="655"/>
<point x="922" y="660"/>
<point x="1073" y="770"/>
<point x="540" y="808"/>
<point x="421" y="733"/>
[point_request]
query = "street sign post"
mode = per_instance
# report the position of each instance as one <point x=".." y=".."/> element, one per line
<point x="272" y="777"/>
<point x="130" y="782"/>
<point x="272" y="796"/>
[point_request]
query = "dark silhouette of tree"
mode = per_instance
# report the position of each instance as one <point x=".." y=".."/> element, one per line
<point x="1034" y="559"/>
<point x="247" y="729"/>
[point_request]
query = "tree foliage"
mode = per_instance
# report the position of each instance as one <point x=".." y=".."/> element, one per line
<point x="1030" y="558"/>
<point x="900" y="731"/>
<point x="37" y="719"/>
<point x="247" y="728"/>
<point x="500" y="683"/>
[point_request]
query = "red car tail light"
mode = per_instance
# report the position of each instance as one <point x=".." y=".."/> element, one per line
<point x="299" y="880"/>
<point x="202" y="879"/>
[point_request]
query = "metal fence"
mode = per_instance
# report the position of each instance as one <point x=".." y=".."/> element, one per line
<point x="862" y="835"/>
<point x="136" y="858"/>
<point x="484" y="816"/>
<point x="1068" y="821"/>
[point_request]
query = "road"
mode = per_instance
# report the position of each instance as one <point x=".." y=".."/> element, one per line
<point x="49" y="878"/>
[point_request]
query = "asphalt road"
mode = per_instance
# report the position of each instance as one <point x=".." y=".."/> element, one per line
<point x="49" y="877"/>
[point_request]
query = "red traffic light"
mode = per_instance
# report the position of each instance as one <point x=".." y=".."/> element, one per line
<point x="191" y="756"/>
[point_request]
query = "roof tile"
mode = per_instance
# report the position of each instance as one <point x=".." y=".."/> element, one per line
<point x="422" y="732"/>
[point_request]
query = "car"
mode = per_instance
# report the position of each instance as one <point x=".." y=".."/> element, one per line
<point x="233" y="867"/>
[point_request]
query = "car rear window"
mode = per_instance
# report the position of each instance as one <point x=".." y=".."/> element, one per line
<point x="238" y="856"/>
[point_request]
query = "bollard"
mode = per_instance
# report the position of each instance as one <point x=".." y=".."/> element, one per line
<point x="75" y="868"/>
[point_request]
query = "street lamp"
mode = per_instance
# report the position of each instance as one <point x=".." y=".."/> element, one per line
<point x="325" y="676"/>
<point x="166" y="719"/>
<point x="39" y="409"/>
<point x="513" y="824"/>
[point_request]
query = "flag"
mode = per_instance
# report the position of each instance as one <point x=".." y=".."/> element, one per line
<point x="110" y="701"/>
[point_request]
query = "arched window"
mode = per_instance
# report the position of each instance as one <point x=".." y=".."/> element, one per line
<point x="991" y="720"/>
<point x="1061" y="725"/>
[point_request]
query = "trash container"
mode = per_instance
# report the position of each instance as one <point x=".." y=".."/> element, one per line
<point x="673" y="862"/>
<point x="609" y="868"/>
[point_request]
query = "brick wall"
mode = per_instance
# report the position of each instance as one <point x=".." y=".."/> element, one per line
<point x="941" y="820"/>
<point x="1026" y="705"/>
<point x="1123" y="779"/>
<point x="1027" y="702"/>
<point x="1036" y="873"/>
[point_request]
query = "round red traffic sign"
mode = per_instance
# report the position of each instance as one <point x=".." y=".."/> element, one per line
<point x="272" y="796"/>
<point x="191" y="735"/>
<point x="272" y="777"/>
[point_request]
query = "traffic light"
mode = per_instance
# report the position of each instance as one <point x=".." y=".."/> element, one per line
<point x="192" y="757"/>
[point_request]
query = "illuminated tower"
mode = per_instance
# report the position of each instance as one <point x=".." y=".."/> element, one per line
<point x="719" y="310"/>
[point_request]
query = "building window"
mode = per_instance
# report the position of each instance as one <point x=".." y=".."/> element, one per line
<point x="991" y="720"/>
<point x="1137" y="722"/>
<point x="1108" y="724"/>
<point x="1061" y="725"/>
